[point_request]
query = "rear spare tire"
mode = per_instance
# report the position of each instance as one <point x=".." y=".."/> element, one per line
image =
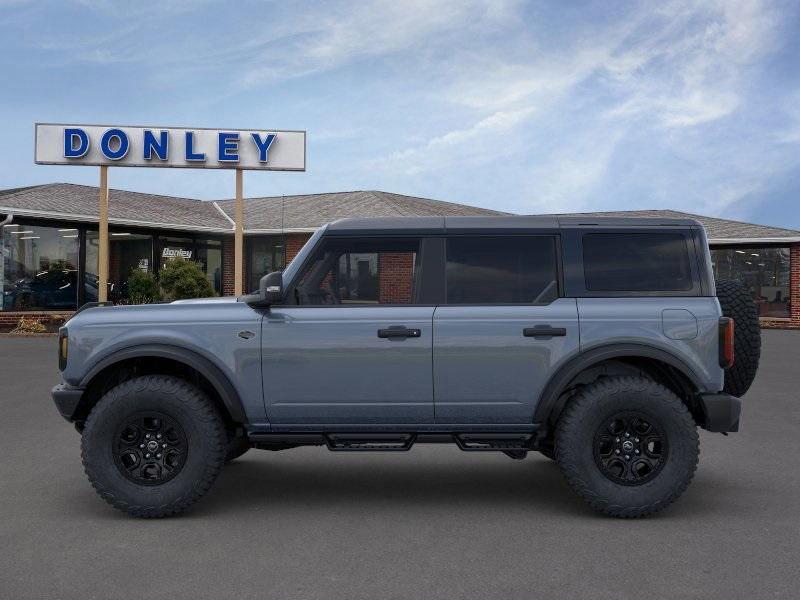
<point x="737" y="303"/>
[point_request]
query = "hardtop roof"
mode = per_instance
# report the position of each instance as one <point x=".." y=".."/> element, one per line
<point x="488" y="224"/>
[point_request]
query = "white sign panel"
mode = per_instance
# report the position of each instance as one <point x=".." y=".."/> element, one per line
<point x="123" y="146"/>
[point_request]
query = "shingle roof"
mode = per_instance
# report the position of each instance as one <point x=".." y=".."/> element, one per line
<point x="311" y="211"/>
<point x="80" y="202"/>
<point x="717" y="230"/>
<point x="307" y="212"/>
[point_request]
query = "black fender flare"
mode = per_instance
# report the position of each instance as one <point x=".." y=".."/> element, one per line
<point x="555" y="386"/>
<point x="219" y="381"/>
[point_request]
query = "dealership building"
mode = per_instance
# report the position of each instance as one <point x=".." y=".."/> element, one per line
<point x="50" y="255"/>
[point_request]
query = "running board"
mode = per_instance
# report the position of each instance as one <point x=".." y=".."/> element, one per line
<point x="488" y="442"/>
<point x="394" y="442"/>
<point x="360" y="442"/>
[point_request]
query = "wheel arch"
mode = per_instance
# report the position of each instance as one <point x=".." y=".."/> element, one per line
<point x="166" y="359"/>
<point x="659" y="364"/>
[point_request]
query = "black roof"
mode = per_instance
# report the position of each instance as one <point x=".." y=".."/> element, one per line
<point x="505" y="224"/>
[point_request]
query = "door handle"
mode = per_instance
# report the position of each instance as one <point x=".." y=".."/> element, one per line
<point x="398" y="332"/>
<point x="544" y="331"/>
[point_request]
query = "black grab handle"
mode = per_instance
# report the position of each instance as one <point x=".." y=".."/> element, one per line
<point x="544" y="331"/>
<point x="399" y="332"/>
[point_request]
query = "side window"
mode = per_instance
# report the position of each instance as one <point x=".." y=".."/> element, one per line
<point x="501" y="270"/>
<point x="636" y="262"/>
<point x="361" y="271"/>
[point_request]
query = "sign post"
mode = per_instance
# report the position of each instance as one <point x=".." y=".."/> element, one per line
<point x="198" y="148"/>
<point x="238" y="241"/>
<point x="103" y="253"/>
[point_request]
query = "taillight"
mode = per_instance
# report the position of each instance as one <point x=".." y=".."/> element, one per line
<point x="726" y="326"/>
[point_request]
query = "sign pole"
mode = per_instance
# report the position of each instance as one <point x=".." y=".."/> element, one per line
<point x="238" y="254"/>
<point x="102" y="266"/>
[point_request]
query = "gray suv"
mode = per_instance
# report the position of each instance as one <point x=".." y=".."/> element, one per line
<point x="600" y="343"/>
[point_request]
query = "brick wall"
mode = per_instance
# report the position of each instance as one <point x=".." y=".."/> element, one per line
<point x="395" y="277"/>
<point x="294" y="242"/>
<point x="228" y="282"/>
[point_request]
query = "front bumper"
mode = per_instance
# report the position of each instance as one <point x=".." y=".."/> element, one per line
<point x="721" y="412"/>
<point x="67" y="400"/>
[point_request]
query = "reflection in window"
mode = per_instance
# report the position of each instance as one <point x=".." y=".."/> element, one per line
<point x="361" y="272"/>
<point x="764" y="270"/>
<point x="39" y="268"/>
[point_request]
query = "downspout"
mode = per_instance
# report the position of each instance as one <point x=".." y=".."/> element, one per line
<point x="8" y="218"/>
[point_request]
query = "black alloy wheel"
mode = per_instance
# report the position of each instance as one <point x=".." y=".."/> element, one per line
<point x="630" y="448"/>
<point x="150" y="448"/>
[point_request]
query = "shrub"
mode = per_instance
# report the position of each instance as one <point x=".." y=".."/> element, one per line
<point x="181" y="279"/>
<point x="143" y="287"/>
<point x="26" y="325"/>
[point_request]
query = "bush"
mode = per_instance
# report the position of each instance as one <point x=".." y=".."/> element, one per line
<point x="26" y="325"/>
<point x="181" y="279"/>
<point x="143" y="287"/>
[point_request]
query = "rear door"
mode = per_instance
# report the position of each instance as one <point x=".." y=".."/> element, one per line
<point x="355" y="345"/>
<point x="503" y="328"/>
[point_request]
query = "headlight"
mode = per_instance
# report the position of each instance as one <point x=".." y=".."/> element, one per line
<point x="63" y="348"/>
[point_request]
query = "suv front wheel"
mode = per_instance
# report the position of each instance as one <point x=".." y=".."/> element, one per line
<point x="153" y="445"/>
<point x="627" y="445"/>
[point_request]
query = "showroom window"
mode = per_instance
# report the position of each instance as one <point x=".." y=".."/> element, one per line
<point x="264" y="255"/>
<point x="206" y="252"/>
<point x="39" y="267"/>
<point x="764" y="270"/>
<point x="128" y="252"/>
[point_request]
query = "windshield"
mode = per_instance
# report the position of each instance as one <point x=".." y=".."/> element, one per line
<point x="291" y="269"/>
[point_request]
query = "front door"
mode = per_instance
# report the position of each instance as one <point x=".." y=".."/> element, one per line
<point x="502" y="331"/>
<point x="352" y="345"/>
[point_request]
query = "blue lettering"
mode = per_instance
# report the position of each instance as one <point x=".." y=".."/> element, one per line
<point x="70" y="137"/>
<point x="190" y="153"/>
<point x="122" y="144"/>
<point x="159" y="146"/>
<point x="228" y="142"/>
<point x="263" y="145"/>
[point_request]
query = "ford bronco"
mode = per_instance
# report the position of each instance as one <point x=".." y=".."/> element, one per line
<point x="601" y="343"/>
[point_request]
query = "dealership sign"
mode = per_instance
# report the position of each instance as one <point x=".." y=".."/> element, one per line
<point x="109" y="145"/>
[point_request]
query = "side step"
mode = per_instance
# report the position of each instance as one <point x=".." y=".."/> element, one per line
<point x="355" y="442"/>
<point x="487" y="442"/>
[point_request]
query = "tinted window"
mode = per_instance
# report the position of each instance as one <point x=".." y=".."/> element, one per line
<point x="636" y="262"/>
<point x="357" y="271"/>
<point x="501" y="270"/>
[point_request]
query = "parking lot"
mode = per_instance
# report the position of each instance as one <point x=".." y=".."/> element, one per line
<point x="431" y="523"/>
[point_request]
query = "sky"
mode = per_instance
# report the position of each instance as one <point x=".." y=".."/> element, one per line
<point x="526" y="107"/>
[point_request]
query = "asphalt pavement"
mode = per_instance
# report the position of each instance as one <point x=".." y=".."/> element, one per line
<point x="431" y="523"/>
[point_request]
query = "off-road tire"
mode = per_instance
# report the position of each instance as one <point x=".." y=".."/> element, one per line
<point x="586" y="413"/>
<point x="737" y="303"/>
<point x="183" y="403"/>
<point x="236" y="446"/>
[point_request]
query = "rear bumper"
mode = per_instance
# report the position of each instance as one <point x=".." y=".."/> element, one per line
<point x="721" y="412"/>
<point x="67" y="400"/>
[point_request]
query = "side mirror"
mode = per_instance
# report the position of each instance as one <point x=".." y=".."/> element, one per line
<point x="270" y="288"/>
<point x="270" y="291"/>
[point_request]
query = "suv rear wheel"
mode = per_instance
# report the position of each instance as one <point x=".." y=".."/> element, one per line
<point x="153" y="445"/>
<point x="627" y="445"/>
